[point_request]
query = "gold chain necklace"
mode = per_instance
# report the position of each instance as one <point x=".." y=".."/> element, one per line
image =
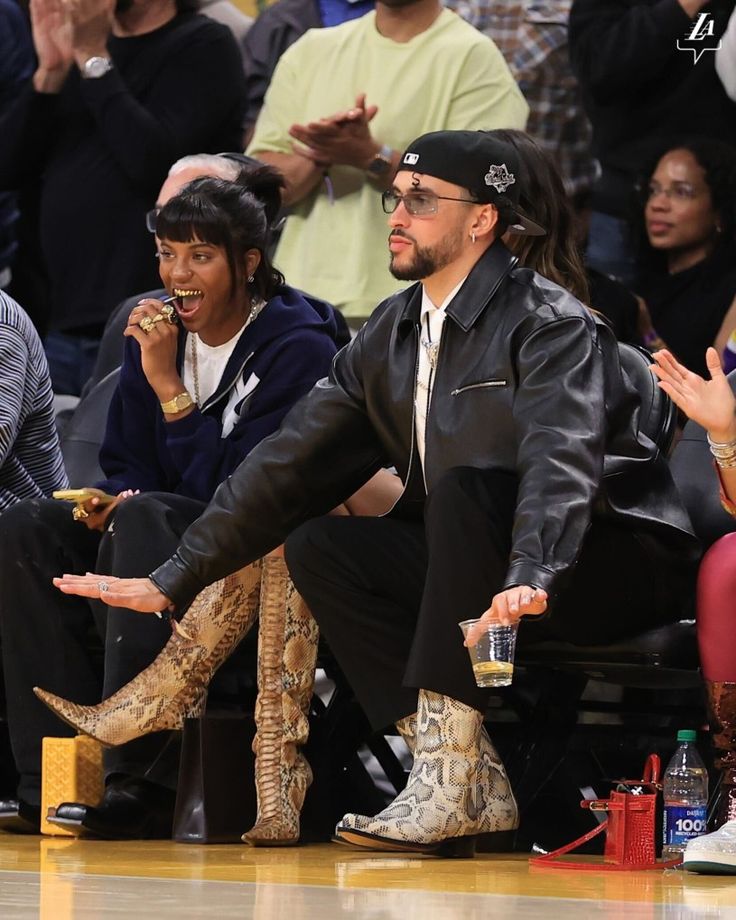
<point x="195" y="367"/>
<point x="255" y="309"/>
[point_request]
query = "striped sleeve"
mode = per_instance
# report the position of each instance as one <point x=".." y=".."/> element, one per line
<point x="31" y="465"/>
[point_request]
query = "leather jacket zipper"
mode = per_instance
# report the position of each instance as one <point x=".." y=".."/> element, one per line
<point x="487" y="384"/>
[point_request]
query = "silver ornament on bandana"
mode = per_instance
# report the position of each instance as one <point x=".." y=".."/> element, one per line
<point x="499" y="177"/>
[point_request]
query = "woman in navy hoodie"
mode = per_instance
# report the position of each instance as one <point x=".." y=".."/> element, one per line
<point x="200" y="386"/>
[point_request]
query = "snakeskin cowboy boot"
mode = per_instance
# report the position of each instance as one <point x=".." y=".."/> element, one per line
<point x="447" y="802"/>
<point x="287" y="652"/>
<point x="174" y="686"/>
<point x="722" y="706"/>
<point x="501" y="819"/>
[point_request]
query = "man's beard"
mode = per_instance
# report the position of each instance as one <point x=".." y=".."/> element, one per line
<point x="426" y="260"/>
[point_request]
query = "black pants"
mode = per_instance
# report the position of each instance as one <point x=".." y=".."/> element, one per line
<point x="48" y="638"/>
<point x="388" y="594"/>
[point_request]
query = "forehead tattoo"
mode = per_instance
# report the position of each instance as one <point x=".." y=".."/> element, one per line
<point x="415" y="180"/>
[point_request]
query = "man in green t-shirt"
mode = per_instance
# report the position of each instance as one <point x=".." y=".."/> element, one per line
<point x="342" y="104"/>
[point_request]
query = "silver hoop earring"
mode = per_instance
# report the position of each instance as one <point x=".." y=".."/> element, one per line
<point x="251" y="279"/>
<point x="472" y="236"/>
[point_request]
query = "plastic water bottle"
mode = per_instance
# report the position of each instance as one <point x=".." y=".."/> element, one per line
<point x="685" y="797"/>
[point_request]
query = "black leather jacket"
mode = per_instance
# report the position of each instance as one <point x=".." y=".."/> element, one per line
<point x="528" y="381"/>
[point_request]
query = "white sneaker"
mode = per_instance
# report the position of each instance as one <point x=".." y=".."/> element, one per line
<point x="712" y="854"/>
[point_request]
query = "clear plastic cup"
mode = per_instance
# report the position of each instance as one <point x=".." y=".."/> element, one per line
<point x="492" y="656"/>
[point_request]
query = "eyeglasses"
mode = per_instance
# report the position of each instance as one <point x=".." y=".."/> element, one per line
<point x="151" y="220"/>
<point x="418" y="204"/>
<point x="681" y="191"/>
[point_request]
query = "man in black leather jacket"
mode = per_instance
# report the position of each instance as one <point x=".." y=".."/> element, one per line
<point x="501" y="403"/>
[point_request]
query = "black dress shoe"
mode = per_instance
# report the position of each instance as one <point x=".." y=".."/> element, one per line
<point x="131" y="809"/>
<point x="18" y="817"/>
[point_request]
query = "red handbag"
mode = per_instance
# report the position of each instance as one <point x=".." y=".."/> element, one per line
<point x="629" y="829"/>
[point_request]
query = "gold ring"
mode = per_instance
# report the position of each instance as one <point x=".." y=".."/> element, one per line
<point x="168" y="313"/>
<point x="146" y="324"/>
<point x="79" y="513"/>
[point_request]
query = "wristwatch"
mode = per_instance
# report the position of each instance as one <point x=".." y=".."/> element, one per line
<point x="177" y="404"/>
<point x="96" y="67"/>
<point x="381" y="162"/>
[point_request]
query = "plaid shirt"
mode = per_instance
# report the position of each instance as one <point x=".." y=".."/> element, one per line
<point x="532" y="36"/>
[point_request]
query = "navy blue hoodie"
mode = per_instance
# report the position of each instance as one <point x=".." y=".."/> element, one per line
<point x="289" y="347"/>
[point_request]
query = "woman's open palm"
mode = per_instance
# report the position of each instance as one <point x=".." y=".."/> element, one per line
<point x="710" y="403"/>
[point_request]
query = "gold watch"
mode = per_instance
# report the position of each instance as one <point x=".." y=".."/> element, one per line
<point x="177" y="404"/>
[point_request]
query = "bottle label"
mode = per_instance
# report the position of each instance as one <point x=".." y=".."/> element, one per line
<point x="682" y="823"/>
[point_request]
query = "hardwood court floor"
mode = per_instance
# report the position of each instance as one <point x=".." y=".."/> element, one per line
<point x="59" y="879"/>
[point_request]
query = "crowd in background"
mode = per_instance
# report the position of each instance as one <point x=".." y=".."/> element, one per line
<point x="600" y="85"/>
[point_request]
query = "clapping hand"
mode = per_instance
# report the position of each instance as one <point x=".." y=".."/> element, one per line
<point x="52" y="38"/>
<point x="91" y="23"/>
<point x="341" y="139"/>
<point x="65" y="31"/>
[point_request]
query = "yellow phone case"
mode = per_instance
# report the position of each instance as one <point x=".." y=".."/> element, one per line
<point x="82" y="495"/>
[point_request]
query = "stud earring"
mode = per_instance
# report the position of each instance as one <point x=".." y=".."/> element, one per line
<point x="472" y="236"/>
<point x="251" y="279"/>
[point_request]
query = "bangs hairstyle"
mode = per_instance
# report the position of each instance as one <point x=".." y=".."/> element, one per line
<point x="223" y="214"/>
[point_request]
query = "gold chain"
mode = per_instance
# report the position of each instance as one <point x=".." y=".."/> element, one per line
<point x="195" y="367"/>
<point x="255" y="309"/>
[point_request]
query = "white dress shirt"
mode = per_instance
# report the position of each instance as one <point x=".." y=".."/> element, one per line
<point x="431" y="320"/>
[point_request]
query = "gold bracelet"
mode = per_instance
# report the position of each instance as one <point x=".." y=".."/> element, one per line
<point x="724" y="453"/>
<point x="177" y="404"/>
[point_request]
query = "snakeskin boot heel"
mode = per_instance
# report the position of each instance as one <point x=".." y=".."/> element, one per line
<point x="173" y="686"/>
<point x="500" y="818"/>
<point x="287" y="652"/>
<point x="445" y="806"/>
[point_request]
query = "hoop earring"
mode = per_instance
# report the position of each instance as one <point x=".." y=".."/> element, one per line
<point x="472" y="236"/>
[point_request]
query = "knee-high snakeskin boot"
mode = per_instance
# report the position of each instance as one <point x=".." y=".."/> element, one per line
<point x="174" y="686"/>
<point x="287" y="652"/>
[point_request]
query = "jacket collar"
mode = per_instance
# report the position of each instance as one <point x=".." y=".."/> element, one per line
<point x="473" y="297"/>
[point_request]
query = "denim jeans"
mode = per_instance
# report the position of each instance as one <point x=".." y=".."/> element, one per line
<point x="71" y="360"/>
